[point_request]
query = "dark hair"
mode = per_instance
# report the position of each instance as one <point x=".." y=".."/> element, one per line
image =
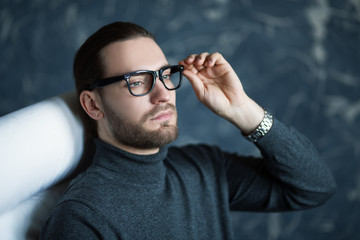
<point x="88" y="63"/>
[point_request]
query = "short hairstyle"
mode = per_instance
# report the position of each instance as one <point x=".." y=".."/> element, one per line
<point x="88" y="63"/>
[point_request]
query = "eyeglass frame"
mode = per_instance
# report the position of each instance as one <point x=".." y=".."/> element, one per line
<point x="156" y="74"/>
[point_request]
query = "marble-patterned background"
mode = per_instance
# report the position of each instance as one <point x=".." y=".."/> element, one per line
<point x="298" y="58"/>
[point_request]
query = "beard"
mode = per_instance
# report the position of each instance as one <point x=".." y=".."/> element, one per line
<point x="135" y="135"/>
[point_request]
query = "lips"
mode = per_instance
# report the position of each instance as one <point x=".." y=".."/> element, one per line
<point x="163" y="116"/>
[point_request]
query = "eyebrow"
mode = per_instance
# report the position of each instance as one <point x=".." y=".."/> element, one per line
<point x="123" y="74"/>
<point x="162" y="66"/>
<point x="165" y="65"/>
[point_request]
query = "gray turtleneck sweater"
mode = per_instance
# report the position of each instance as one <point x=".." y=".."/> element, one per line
<point x="188" y="192"/>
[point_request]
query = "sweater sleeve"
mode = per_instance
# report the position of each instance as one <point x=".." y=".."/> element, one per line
<point x="289" y="176"/>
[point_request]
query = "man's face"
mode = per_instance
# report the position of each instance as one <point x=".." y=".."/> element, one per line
<point x="146" y="122"/>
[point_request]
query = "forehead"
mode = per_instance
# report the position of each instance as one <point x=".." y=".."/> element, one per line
<point x="131" y="55"/>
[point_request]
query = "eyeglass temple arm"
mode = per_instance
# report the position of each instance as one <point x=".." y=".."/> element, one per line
<point x="106" y="81"/>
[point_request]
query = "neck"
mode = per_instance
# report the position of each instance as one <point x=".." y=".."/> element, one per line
<point x="134" y="150"/>
<point x="129" y="149"/>
<point x="133" y="168"/>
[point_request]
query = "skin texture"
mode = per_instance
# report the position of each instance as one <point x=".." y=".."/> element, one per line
<point x="213" y="80"/>
<point x="217" y="86"/>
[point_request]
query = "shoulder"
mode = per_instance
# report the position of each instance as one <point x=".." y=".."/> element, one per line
<point x="70" y="220"/>
<point x="200" y="156"/>
<point x="86" y="190"/>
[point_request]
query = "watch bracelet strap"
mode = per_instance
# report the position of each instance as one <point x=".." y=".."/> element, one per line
<point x="263" y="128"/>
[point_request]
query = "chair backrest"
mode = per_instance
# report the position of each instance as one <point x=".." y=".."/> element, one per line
<point x="40" y="145"/>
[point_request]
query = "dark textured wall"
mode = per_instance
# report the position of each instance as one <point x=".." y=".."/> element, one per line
<point x="298" y="58"/>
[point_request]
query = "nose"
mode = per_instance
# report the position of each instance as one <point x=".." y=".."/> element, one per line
<point x="160" y="94"/>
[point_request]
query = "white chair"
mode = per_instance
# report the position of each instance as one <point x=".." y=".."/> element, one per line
<point x="40" y="146"/>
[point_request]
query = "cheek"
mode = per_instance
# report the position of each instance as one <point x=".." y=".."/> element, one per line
<point x="125" y="105"/>
<point x="134" y="110"/>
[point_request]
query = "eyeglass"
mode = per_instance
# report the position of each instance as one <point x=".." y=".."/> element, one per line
<point x="142" y="82"/>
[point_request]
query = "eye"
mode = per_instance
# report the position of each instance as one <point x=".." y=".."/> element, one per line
<point x="136" y="84"/>
<point x="166" y="75"/>
<point x="141" y="80"/>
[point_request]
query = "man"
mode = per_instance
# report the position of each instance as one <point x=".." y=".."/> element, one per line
<point x="137" y="188"/>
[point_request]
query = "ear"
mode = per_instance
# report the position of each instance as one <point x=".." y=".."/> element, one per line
<point x="90" y="102"/>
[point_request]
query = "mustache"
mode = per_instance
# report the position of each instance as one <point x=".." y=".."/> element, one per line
<point x="153" y="112"/>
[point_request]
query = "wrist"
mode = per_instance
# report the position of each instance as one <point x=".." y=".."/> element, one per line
<point x="263" y="128"/>
<point x="247" y="117"/>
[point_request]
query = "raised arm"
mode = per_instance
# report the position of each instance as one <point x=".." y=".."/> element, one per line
<point x="290" y="175"/>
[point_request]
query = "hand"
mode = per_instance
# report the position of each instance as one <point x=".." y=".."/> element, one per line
<point x="214" y="81"/>
<point x="217" y="86"/>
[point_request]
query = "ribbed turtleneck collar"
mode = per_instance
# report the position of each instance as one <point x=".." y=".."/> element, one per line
<point x="135" y="169"/>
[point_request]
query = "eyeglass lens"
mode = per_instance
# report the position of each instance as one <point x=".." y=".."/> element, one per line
<point x="141" y="83"/>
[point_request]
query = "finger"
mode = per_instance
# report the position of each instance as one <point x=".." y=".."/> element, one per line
<point x="200" y="59"/>
<point x="186" y="66"/>
<point x="210" y="60"/>
<point x="193" y="62"/>
<point x="190" y="59"/>
<point x="198" y="62"/>
<point x="188" y="62"/>
<point x="215" y="59"/>
<point x="196" y="83"/>
<point x="197" y="59"/>
<point x="185" y="63"/>
<point x="203" y="60"/>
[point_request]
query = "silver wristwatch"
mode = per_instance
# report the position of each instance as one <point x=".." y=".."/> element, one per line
<point x="262" y="129"/>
